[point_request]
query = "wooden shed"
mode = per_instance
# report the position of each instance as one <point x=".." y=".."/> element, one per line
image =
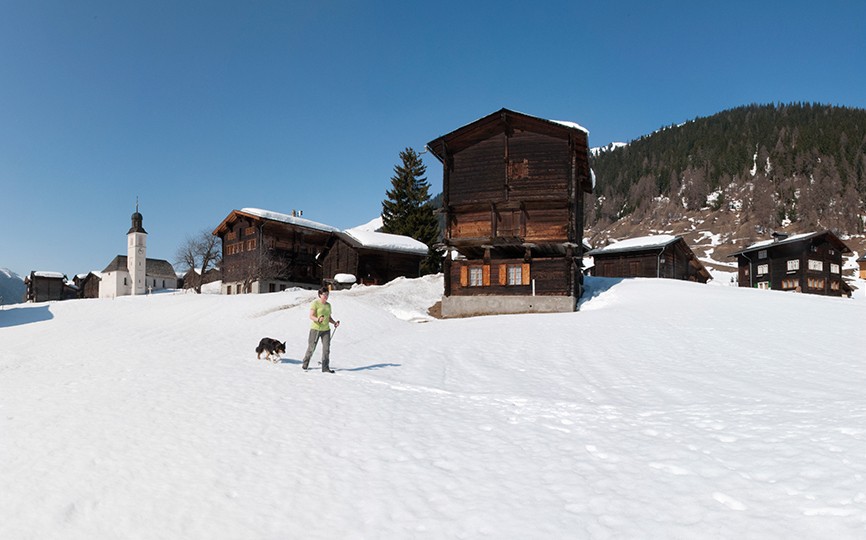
<point x="88" y="284"/>
<point x="658" y="256"/>
<point x="193" y="278"/>
<point x="266" y="251"/>
<point x="373" y="257"/>
<point x="809" y="263"/>
<point x="513" y="194"/>
<point x="861" y="262"/>
<point x="47" y="286"/>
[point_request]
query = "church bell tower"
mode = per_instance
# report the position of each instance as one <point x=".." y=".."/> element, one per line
<point x="136" y="253"/>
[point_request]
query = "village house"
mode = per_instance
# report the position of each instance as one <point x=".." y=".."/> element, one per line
<point x="42" y="286"/>
<point x="193" y="277"/>
<point x="657" y="256"/>
<point x="372" y="257"/>
<point x="88" y="284"/>
<point x="266" y="251"/>
<point x="134" y="273"/>
<point x="862" y="263"/>
<point x="809" y="263"/>
<point x="513" y="195"/>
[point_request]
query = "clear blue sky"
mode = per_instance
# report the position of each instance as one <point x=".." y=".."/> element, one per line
<point x="200" y="107"/>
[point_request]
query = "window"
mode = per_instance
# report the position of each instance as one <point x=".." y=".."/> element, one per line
<point x="762" y="254"/>
<point x="790" y="284"/>
<point x="834" y="268"/>
<point x="763" y="285"/>
<point x="249" y="231"/>
<point x="251" y="245"/>
<point x="476" y="277"/>
<point x="763" y="269"/>
<point x="817" y="266"/>
<point x="834" y="285"/>
<point x="793" y="265"/>
<point x="228" y="289"/>
<point x="816" y="283"/>
<point x="515" y="275"/>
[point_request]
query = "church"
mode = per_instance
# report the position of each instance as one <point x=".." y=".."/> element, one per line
<point x="134" y="273"/>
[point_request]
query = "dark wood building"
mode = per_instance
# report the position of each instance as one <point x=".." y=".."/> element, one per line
<point x="193" y="277"/>
<point x="88" y="285"/>
<point x="372" y="257"/>
<point x="267" y="251"/>
<point x="513" y="194"/>
<point x="657" y="256"/>
<point x="48" y="286"/>
<point x="809" y="263"/>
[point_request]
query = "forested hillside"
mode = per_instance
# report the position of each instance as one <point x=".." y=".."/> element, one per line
<point x="798" y="167"/>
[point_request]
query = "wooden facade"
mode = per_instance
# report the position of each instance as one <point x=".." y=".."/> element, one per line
<point x="861" y="262"/>
<point x="268" y="252"/>
<point x="809" y="263"/>
<point x="192" y="278"/>
<point x="371" y="264"/>
<point x="88" y="285"/>
<point x="48" y="286"/>
<point x="513" y="194"/>
<point x="651" y="256"/>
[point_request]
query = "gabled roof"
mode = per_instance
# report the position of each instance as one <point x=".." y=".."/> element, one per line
<point x="267" y="215"/>
<point x="766" y="244"/>
<point x="153" y="267"/>
<point x="383" y="241"/>
<point x="643" y="243"/>
<point x="504" y="120"/>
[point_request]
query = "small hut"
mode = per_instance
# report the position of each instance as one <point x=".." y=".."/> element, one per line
<point x="658" y="256"/>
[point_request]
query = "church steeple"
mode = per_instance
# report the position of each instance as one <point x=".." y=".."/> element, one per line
<point x="136" y="252"/>
<point x="137" y="220"/>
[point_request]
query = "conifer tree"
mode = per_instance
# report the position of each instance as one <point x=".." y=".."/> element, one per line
<point x="408" y="209"/>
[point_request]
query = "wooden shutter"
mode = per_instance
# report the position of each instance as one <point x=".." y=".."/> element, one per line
<point x="464" y="276"/>
<point x="485" y="275"/>
<point x="503" y="274"/>
<point x="525" y="273"/>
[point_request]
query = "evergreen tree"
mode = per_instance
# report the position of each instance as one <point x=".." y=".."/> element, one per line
<point x="408" y="209"/>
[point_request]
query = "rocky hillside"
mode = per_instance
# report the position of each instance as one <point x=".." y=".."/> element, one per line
<point x="733" y="178"/>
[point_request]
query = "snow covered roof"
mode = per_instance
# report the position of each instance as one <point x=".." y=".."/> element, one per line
<point x="386" y="242"/>
<point x="46" y="274"/>
<point x="794" y="238"/>
<point x="657" y="241"/>
<point x="285" y="218"/>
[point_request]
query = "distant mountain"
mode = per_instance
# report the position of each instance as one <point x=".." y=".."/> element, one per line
<point x="736" y="176"/>
<point x="11" y="287"/>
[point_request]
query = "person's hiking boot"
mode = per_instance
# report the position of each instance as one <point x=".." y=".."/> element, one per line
<point x="327" y="371"/>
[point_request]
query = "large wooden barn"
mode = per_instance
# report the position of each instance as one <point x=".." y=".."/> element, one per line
<point x="658" y="256"/>
<point x="809" y="263"/>
<point x="373" y="257"/>
<point x="267" y="251"/>
<point x="513" y="193"/>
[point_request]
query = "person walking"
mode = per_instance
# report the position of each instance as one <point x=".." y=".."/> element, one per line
<point x="320" y="315"/>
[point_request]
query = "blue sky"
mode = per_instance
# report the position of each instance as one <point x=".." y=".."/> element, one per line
<point x="201" y="107"/>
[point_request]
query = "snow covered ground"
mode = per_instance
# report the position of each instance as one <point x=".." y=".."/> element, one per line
<point x="662" y="409"/>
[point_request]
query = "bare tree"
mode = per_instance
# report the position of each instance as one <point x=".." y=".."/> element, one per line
<point x="201" y="251"/>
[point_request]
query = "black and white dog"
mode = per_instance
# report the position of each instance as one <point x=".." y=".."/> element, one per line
<point x="271" y="347"/>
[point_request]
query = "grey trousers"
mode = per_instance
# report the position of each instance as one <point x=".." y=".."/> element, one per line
<point x="315" y="336"/>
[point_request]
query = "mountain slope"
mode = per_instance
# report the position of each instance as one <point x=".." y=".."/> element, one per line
<point x="149" y="417"/>
<point x="743" y="172"/>
<point x="12" y="287"/>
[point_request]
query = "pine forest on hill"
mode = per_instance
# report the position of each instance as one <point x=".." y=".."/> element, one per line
<point x="740" y="173"/>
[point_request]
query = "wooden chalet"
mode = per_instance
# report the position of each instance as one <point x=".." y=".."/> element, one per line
<point x="267" y="251"/>
<point x="373" y="257"/>
<point x="88" y="284"/>
<point x="513" y="195"/>
<point x="861" y="262"/>
<point x="193" y="278"/>
<point x="47" y="286"/>
<point x="809" y="263"/>
<point x="657" y="256"/>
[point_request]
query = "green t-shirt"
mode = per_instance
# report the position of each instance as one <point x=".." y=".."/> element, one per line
<point x="322" y="310"/>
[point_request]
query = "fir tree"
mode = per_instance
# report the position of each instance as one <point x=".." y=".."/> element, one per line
<point x="408" y="209"/>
